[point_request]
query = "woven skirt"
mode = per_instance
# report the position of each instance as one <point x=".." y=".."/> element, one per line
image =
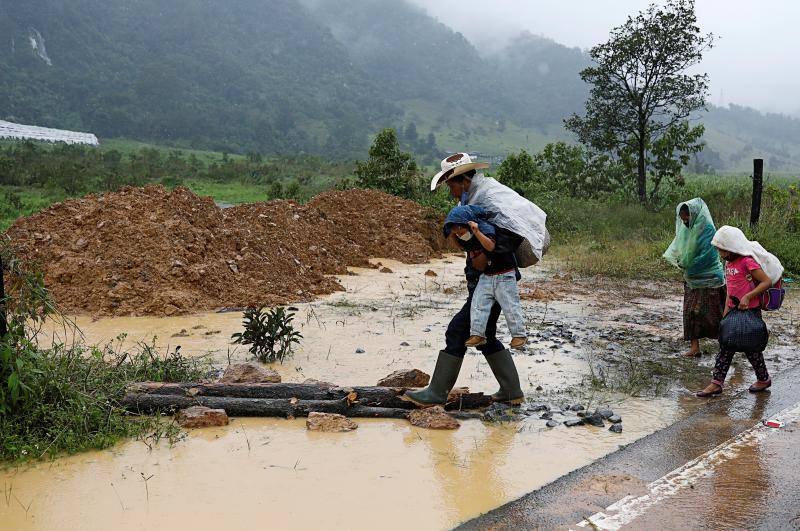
<point x="702" y="312"/>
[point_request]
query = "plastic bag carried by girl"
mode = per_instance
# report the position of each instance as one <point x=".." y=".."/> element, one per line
<point x="743" y="331"/>
<point x="733" y="240"/>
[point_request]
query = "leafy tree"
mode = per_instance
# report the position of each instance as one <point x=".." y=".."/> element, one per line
<point x="642" y="97"/>
<point x="517" y="169"/>
<point x="564" y="168"/>
<point x="388" y="168"/>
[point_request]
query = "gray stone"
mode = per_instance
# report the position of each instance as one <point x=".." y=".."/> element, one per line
<point x="594" y="420"/>
<point x="405" y="344"/>
<point x="538" y="407"/>
<point x="616" y="428"/>
<point x="604" y="412"/>
<point x="573" y="422"/>
<point x="552" y="423"/>
<point x="360" y="350"/>
<point x="546" y="415"/>
<point x="615" y="419"/>
<point x="577" y="407"/>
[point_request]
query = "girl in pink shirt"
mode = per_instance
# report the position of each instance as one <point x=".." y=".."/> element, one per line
<point x="746" y="280"/>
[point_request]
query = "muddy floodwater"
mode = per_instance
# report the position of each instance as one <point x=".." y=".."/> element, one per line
<point x="273" y="473"/>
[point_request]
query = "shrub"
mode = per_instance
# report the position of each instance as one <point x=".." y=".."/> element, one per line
<point x="66" y="399"/>
<point x="270" y="334"/>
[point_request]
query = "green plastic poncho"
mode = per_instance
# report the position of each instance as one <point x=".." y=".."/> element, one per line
<point x="691" y="250"/>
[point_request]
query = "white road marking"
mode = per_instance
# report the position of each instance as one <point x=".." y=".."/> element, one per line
<point x="629" y="508"/>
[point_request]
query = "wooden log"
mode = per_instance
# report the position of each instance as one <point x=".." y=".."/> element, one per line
<point x="256" y="407"/>
<point x="370" y="396"/>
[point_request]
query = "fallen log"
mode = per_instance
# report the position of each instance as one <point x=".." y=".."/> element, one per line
<point x="143" y="403"/>
<point x="370" y="396"/>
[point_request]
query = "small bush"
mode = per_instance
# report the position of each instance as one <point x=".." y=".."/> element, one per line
<point x="270" y="334"/>
<point x="67" y="399"/>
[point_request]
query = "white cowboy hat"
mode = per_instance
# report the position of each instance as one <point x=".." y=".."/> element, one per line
<point x="453" y="166"/>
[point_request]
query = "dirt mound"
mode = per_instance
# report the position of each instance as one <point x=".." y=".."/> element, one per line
<point x="152" y="251"/>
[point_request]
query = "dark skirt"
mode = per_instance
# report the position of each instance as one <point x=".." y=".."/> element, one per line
<point x="702" y="312"/>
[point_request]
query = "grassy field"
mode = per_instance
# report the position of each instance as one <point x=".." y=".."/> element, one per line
<point x="623" y="239"/>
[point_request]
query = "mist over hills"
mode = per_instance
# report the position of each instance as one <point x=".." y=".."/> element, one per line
<point x="314" y="76"/>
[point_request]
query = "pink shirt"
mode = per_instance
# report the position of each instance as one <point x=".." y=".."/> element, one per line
<point x="739" y="279"/>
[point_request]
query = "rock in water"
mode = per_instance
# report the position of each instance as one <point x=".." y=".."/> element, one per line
<point x="405" y="378"/>
<point x="594" y="419"/>
<point x="577" y="407"/>
<point x="552" y="423"/>
<point x="330" y="422"/>
<point x="616" y="428"/>
<point x="573" y="422"/>
<point x="249" y="372"/>
<point x="604" y="412"/>
<point x="201" y="417"/>
<point x="433" y="418"/>
<point x="615" y="419"/>
<point x="360" y="350"/>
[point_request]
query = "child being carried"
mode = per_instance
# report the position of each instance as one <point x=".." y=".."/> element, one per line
<point x="490" y="250"/>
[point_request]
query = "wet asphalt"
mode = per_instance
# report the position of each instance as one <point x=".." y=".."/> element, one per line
<point x="759" y="489"/>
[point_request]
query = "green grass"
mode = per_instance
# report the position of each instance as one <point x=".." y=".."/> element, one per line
<point x="622" y="239"/>
<point x="74" y="400"/>
<point x="234" y="193"/>
<point x="127" y="146"/>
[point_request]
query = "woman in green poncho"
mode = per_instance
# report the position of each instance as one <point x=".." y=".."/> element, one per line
<point x="704" y="279"/>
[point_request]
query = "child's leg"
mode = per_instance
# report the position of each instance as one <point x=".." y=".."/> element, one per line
<point x="723" y="363"/>
<point x="507" y="294"/>
<point x="482" y="302"/>
<point x="756" y="359"/>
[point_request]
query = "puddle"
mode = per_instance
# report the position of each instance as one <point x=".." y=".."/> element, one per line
<point x="386" y="474"/>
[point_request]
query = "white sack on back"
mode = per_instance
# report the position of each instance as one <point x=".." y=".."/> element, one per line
<point x="515" y="213"/>
<point x="733" y="240"/>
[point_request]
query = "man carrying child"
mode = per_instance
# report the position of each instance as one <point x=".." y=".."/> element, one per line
<point x="493" y="250"/>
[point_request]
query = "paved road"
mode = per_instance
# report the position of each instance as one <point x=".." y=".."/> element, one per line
<point x="715" y="469"/>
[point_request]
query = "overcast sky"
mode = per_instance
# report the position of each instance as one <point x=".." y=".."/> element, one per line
<point x="756" y="61"/>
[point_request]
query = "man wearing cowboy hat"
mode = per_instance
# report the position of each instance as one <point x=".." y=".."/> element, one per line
<point x="459" y="173"/>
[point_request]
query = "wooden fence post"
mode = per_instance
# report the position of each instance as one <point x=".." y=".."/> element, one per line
<point x="758" y="186"/>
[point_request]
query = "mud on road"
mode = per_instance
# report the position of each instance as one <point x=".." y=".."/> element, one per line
<point x="589" y="339"/>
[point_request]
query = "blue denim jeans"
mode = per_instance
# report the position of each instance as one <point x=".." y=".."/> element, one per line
<point x="501" y="289"/>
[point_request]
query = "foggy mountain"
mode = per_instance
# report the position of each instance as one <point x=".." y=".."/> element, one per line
<point x="237" y="75"/>
<point x="281" y="76"/>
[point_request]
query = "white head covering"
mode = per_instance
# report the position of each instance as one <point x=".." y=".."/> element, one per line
<point x="733" y="240"/>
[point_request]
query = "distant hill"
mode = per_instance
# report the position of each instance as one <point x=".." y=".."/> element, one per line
<point x="315" y="76"/>
<point x="234" y="75"/>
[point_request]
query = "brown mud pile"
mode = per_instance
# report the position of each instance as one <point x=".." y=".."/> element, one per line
<point x="159" y="252"/>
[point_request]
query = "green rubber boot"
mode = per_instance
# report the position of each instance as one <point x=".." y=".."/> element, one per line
<point x="443" y="379"/>
<point x="504" y="370"/>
